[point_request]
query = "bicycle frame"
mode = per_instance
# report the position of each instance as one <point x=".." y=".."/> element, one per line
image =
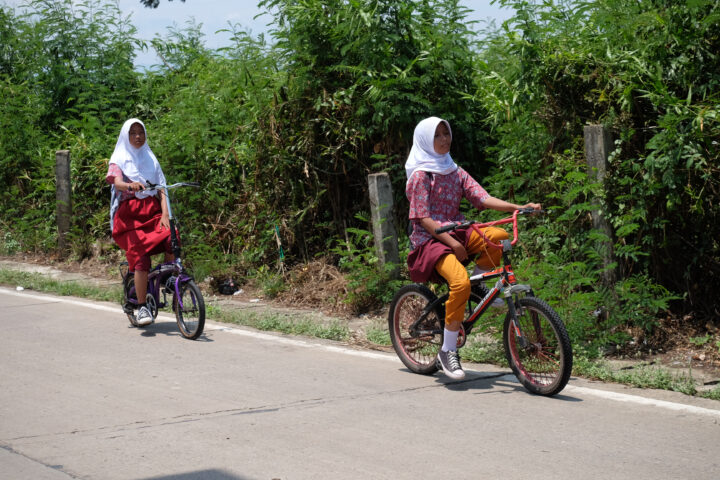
<point x="506" y="284"/>
<point x="168" y="275"/>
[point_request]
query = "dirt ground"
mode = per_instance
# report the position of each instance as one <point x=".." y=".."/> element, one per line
<point x="676" y="343"/>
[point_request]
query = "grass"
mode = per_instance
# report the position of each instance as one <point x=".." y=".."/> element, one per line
<point x="378" y="336"/>
<point x="484" y="351"/>
<point x="40" y="283"/>
<point x="642" y="375"/>
<point x="713" y="394"/>
<point x="290" y="324"/>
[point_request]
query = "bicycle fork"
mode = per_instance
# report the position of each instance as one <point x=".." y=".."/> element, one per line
<point x="511" y="293"/>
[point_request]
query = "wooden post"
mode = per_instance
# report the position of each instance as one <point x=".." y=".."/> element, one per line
<point x="63" y="199"/>
<point x="598" y="144"/>
<point x="381" y="208"/>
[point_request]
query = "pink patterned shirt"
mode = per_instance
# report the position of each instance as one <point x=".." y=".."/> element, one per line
<point x="439" y="198"/>
<point x="114" y="171"/>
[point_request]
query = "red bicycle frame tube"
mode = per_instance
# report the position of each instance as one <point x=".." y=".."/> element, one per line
<point x="513" y="219"/>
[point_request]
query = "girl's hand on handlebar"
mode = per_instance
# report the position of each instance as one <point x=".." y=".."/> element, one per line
<point x="135" y="186"/>
<point x="534" y="206"/>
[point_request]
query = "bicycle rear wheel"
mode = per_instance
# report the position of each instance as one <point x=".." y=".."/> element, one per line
<point x="189" y="310"/>
<point x="417" y="348"/>
<point x="542" y="357"/>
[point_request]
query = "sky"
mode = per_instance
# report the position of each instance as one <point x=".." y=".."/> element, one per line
<point x="215" y="15"/>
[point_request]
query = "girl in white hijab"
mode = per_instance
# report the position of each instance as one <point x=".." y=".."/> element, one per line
<point x="423" y="155"/>
<point x="435" y="188"/>
<point x="139" y="219"/>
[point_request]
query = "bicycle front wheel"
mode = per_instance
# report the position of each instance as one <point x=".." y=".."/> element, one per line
<point x="539" y="354"/>
<point x="189" y="310"/>
<point x="416" y="346"/>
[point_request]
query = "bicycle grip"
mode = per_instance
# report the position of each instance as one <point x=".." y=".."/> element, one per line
<point x="446" y="228"/>
<point x="529" y="211"/>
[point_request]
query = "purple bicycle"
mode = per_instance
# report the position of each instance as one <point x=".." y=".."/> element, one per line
<point x="168" y="279"/>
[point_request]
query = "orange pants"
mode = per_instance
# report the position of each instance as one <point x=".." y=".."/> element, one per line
<point x="450" y="268"/>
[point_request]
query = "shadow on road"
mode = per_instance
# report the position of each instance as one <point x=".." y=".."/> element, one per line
<point x="165" y="328"/>
<point x="211" y="474"/>
<point x="485" y="381"/>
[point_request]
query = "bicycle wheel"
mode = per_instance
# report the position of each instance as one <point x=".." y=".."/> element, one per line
<point x="129" y="294"/>
<point x="542" y="358"/>
<point x="417" y="348"/>
<point x="189" y="310"/>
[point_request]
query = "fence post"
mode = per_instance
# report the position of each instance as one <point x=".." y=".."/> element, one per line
<point x="598" y="144"/>
<point x="381" y="209"/>
<point x="63" y="198"/>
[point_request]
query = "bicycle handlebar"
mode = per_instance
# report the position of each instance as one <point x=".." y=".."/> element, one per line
<point x="513" y="220"/>
<point x="155" y="186"/>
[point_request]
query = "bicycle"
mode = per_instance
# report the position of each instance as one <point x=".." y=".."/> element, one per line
<point x="535" y="340"/>
<point x="168" y="278"/>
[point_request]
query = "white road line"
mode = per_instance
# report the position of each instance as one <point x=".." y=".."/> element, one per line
<point x="299" y="343"/>
<point x="70" y="301"/>
<point x="624" y="397"/>
<point x="212" y="326"/>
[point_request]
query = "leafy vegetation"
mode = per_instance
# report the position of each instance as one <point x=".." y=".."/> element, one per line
<point x="283" y="134"/>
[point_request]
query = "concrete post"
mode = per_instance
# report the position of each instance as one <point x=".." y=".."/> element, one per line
<point x="381" y="208"/>
<point x="598" y="145"/>
<point x="63" y="199"/>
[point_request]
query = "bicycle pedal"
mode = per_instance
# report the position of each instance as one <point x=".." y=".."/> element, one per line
<point x="462" y="337"/>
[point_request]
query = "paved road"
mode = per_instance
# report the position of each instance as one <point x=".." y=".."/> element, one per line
<point x="83" y="395"/>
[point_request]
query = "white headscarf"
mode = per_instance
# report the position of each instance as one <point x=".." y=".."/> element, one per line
<point x="422" y="154"/>
<point x="138" y="164"/>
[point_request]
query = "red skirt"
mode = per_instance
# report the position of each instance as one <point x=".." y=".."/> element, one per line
<point x="137" y="230"/>
<point x="421" y="261"/>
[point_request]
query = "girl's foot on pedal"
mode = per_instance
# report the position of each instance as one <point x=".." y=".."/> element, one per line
<point x="450" y="364"/>
<point x="144" y="317"/>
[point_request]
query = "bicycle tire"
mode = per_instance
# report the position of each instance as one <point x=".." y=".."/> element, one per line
<point x="417" y="351"/>
<point x="129" y="294"/>
<point x="191" y="316"/>
<point x="544" y="366"/>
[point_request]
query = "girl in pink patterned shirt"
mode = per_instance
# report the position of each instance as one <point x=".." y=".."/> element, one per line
<point x="435" y="187"/>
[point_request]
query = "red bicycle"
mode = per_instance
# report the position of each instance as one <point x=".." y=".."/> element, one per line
<point x="536" y="342"/>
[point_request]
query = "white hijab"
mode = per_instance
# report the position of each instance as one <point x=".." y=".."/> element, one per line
<point x="138" y="164"/>
<point x="422" y="154"/>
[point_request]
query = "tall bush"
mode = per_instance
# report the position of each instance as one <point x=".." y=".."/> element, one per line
<point x="648" y="71"/>
<point x="358" y="77"/>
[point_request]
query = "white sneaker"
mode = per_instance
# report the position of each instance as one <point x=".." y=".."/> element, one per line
<point x="450" y="364"/>
<point x="144" y="317"/>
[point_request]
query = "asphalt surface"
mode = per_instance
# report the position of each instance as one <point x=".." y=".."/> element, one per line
<point x="84" y="395"/>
